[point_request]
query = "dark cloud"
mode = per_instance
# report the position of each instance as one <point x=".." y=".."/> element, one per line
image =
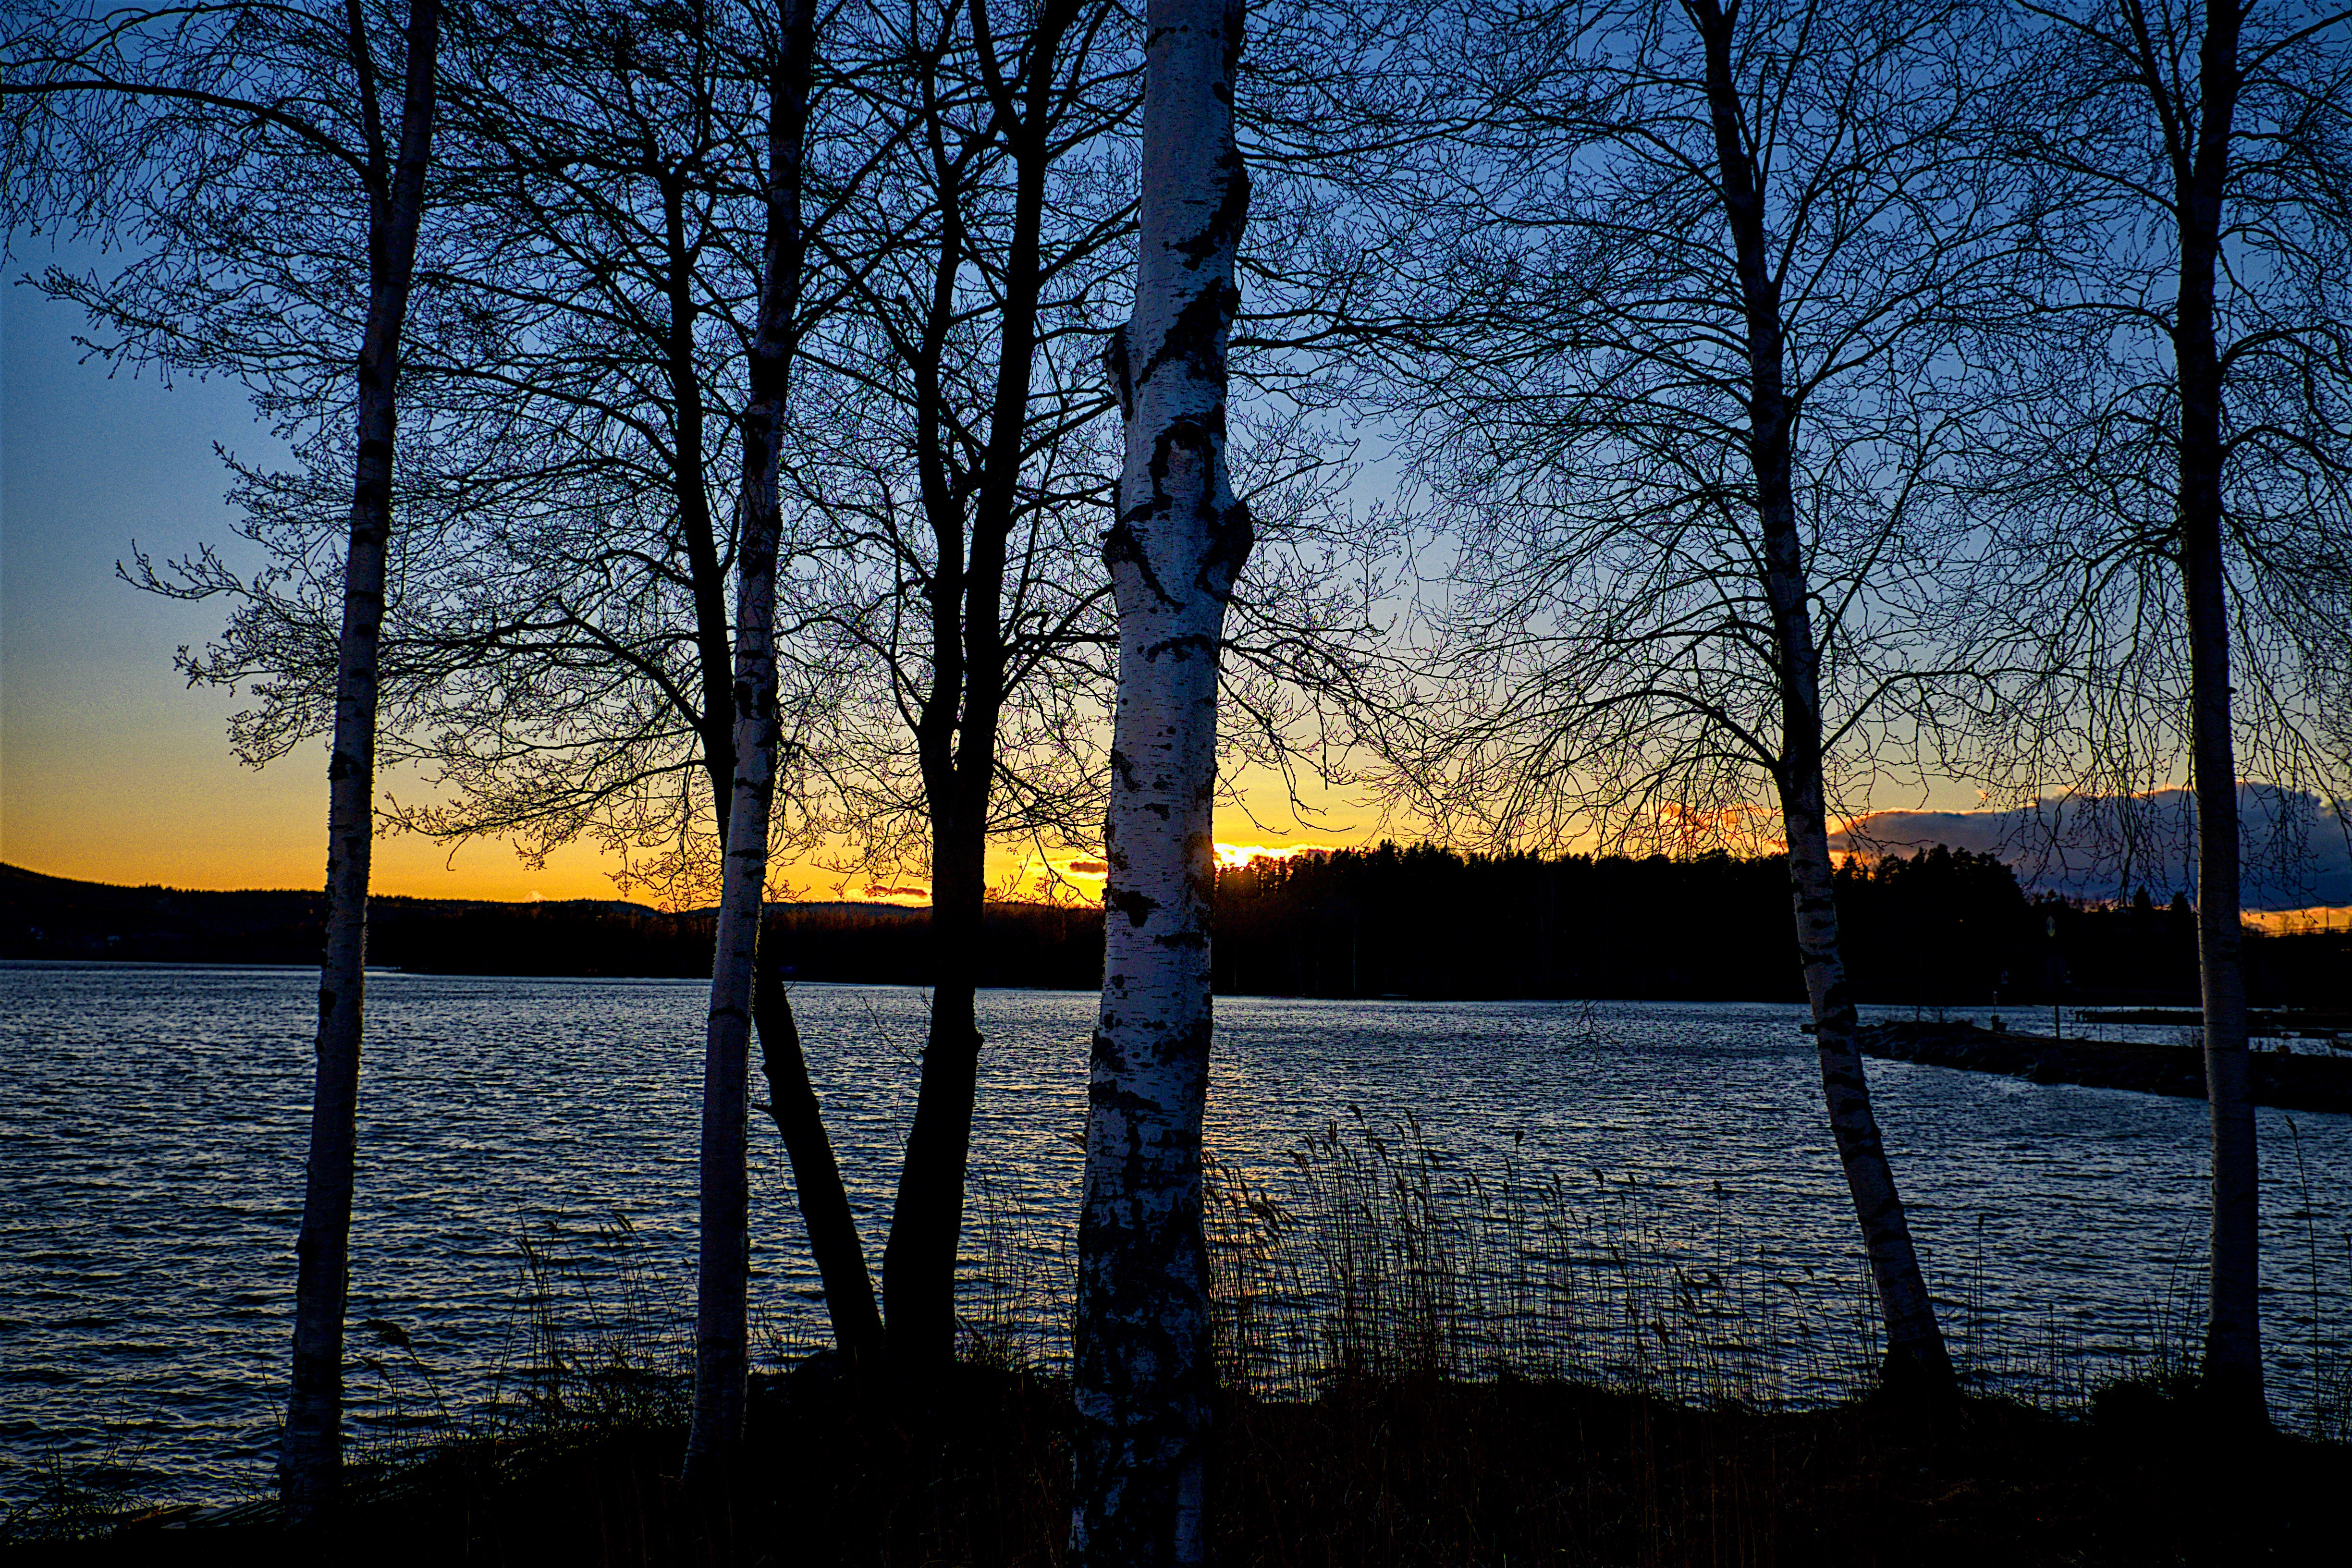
<point x="2298" y="852"/>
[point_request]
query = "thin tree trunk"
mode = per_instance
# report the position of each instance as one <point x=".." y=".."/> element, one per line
<point x="1916" y="1358"/>
<point x="2233" y="1332"/>
<point x="927" y="1220"/>
<point x="721" y="1329"/>
<point x="927" y="1217"/>
<point x="816" y="1177"/>
<point x="309" y="1465"/>
<point x="959" y="732"/>
<point x="704" y="572"/>
<point x="1142" y="1362"/>
<point x="1917" y="1363"/>
<point x="824" y="1202"/>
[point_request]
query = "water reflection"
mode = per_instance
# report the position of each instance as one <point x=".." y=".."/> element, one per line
<point x="149" y="1167"/>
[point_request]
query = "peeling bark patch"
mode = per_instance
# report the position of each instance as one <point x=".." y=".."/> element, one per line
<point x="1121" y="547"/>
<point x="1104" y="1094"/>
<point x="1135" y="905"/>
<point x="1197" y="341"/>
<point x="1223" y="232"/>
<point x="1185" y="644"/>
<point x="1230" y="539"/>
<point x="1108" y="1055"/>
<point x="1115" y="364"/>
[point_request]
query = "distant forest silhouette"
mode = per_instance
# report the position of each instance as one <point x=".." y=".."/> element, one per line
<point x="1940" y="928"/>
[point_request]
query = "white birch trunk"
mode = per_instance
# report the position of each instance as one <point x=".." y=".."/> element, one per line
<point x="722" y="1280"/>
<point x="1917" y="1363"/>
<point x="721" y="1335"/>
<point x="310" y="1452"/>
<point x="1143" y="1370"/>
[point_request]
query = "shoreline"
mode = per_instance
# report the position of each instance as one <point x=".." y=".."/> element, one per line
<point x="975" y="1467"/>
<point x="2282" y="1079"/>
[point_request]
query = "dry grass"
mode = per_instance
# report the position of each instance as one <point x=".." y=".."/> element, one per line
<point x="1422" y="1365"/>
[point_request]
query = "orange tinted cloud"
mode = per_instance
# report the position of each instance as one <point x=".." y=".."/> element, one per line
<point x="1230" y="855"/>
<point x="1744" y="828"/>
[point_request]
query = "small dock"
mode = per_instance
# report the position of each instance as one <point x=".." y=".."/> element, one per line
<point x="2289" y="1080"/>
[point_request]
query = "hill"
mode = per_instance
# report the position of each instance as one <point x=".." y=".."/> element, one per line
<point x="44" y="916"/>
<point x="1941" y="928"/>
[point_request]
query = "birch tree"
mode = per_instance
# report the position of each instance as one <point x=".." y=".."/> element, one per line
<point x="1715" y="286"/>
<point x="722" y="1323"/>
<point x="563" y="631"/>
<point x="559" y="653"/>
<point x="2171" y="567"/>
<point x="311" y="1458"/>
<point x="1175" y="550"/>
<point x="210" y="103"/>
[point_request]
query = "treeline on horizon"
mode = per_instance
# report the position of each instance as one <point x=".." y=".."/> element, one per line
<point x="1939" y="928"/>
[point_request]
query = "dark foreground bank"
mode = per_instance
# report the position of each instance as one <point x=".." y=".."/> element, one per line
<point x="2281" y="1079"/>
<point x="1408" y="1473"/>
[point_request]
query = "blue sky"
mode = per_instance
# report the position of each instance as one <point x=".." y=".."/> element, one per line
<point x="113" y="769"/>
<point x="110" y="767"/>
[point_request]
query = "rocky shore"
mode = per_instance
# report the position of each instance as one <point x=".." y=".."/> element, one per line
<point x="2291" y="1082"/>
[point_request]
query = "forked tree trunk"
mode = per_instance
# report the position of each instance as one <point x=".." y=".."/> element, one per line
<point x="1143" y="1371"/>
<point x="816" y="1174"/>
<point x="2233" y="1331"/>
<point x="722" y="1280"/>
<point x="311" y="1454"/>
<point x="1917" y="1361"/>
<point x="956" y="733"/>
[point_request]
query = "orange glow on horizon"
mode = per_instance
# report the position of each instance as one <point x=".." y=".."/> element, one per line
<point x="2300" y="923"/>
<point x="1741" y="827"/>
<point x="1231" y="856"/>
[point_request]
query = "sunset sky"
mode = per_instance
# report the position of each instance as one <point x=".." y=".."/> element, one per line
<point x="110" y="768"/>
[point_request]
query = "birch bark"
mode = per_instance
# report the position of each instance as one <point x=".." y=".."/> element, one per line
<point x="1916" y="1358"/>
<point x="722" y="1331"/>
<point x="1174" y="552"/>
<point x="309" y="1465"/>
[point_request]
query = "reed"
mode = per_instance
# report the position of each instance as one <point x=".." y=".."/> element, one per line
<point x="62" y="1500"/>
<point x="1422" y="1359"/>
<point x="1373" y="1254"/>
<point x="1387" y="1257"/>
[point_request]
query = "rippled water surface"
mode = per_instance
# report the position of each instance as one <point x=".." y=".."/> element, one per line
<point x="152" y="1140"/>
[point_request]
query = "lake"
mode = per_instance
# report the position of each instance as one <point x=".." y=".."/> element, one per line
<point x="152" y="1149"/>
